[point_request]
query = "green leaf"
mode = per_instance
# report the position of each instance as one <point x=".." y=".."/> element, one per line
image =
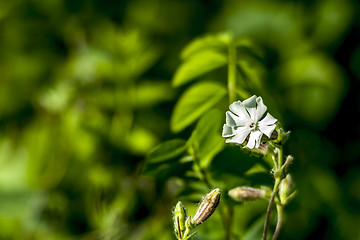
<point x="190" y="236"/>
<point x="218" y="41"/>
<point x="165" y="170"/>
<point x="166" y="160"/>
<point x="149" y="93"/>
<point x="167" y="151"/>
<point x="199" y="64"/>
<point x="206" y="139"/>
<point x="194" y="102"/>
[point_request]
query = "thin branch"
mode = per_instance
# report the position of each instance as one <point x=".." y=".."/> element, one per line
<point x="279" y="221"/>
<point x="271" y="202"/>
<point x="232" y="63"/>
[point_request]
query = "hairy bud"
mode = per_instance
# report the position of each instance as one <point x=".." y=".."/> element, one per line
<point x="207" y="207"/>
<point x="285" y="188"/>
<point x="179" y="220"/>
<point x="242" y="194"/>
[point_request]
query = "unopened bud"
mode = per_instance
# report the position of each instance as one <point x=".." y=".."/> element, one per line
<point x="288" y="162"/>
<point x="179" y="220"/>
<point x="242" y="194"/>
<point x="285" y="188"/>
<point x="207" y="207"/>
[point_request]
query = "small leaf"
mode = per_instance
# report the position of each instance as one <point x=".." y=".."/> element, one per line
<point x="166" y="160"/>
<point x="190" y="236"/>
<point x="199" y="64"/>
<point x="166" y="151"/>
<point x="218" y="41"/>
<point x="149" y="93"/>
<point x="167" y="169"/>
<point x="194" y="102"/>
<point x="206" y="138"/>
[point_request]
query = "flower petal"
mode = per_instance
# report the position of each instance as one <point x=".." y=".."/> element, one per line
<point x="268" y="120"/>
<point x="250" y="102"/>
<point x="267" y="130"/>
<point x="240" y="135"/>
<point x="254" y="140"/>
<point x="260" y="109"/>
<point x="239" y="109"/>
<point x="230" y="119"/>
<point x="267" y="125"/>
<point x="250" y="106"/>
<point x="233" y="120"/>
<point x="227" y="131"/>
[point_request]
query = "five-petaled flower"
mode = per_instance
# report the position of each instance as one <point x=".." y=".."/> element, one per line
<point x="247" y="117"/>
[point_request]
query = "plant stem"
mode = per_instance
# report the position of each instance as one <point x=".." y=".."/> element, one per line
<point x="232" y="71"/>
<point x="271" y="202"/>
<point x="279" y="209"/>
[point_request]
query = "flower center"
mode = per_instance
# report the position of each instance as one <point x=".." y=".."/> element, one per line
<point x="253" y="126"/>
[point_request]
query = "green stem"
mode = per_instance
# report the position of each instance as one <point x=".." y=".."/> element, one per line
<point x="279" y="209"/>
<point x="280" y="157"/>
<point x="271" y="202"/>
<point x="232" y="62"/>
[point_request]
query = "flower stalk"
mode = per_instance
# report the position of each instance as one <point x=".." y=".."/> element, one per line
<point x="232" y="62"/>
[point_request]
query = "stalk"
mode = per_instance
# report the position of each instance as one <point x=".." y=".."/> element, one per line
<point x="271" y="202"/>
<point x="232" y="71"/>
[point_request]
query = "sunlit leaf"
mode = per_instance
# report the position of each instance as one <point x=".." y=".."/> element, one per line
<point x="199" y="64"/>
<point x="194" y="102"/>
<point x="218" y="41"/>
<point x="150" y="93"/>
<point x="206" y="139"/>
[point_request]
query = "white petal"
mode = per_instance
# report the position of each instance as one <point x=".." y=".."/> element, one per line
<point x="268" y="120"/>
<point x="250" y="102"/>
<point x="239" y="109"/>
<point x="230" y="119"/>
<point x="241" y="134"/>
<point x="227" y="131"/>
<point x="260" y="109"/>
<point x="233" y="120"/>
<point x="267" y="130"/>
<point x="254" y="140"/>
<point x="250" y="105"/>
<point x="267" y="125"/>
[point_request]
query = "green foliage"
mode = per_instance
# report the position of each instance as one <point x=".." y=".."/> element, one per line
<point x="166" y="160"/>
<point x="198" y="64"/>
<point x="205" y="140"/>
<point x="194" y="102"/>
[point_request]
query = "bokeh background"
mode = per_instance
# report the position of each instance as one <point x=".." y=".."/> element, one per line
<point x="86" y="93"/>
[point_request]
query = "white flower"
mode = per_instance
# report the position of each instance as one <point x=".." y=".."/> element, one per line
<point x="247" y="117"/>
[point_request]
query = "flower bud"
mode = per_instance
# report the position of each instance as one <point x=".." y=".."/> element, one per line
<point x="207" y="207"/>
<point x="285" y="188"/>
<point x="288" y="162"/>
<point x="242" y="194"/>
<point x="179" y="219"/>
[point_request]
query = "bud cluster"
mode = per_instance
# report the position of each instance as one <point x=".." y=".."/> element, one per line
<point x="183" y="223"/>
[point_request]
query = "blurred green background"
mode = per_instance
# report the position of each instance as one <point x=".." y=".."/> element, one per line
<point x="86" y="93"/>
